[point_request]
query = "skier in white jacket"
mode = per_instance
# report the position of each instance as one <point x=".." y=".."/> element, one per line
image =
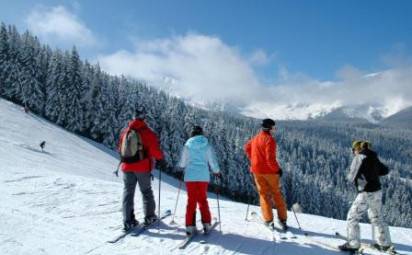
<point x="197" y="159"/>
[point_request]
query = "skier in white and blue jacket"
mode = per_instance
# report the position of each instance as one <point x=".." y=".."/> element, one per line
<point x="197" y="160"/>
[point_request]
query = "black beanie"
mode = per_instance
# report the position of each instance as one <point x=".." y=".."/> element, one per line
<point x="197" y="130"/>
<point x="268" y="124"/>
<point x="139" y="115"/>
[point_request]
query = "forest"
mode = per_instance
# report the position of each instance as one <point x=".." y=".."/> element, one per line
<point x="314" y="155"/>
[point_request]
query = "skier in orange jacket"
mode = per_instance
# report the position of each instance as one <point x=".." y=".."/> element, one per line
<point x="261" y="151"/>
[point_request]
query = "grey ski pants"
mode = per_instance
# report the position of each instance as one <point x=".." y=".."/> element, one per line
<point x="371" y="202"/>
<point x="130" y="180"/>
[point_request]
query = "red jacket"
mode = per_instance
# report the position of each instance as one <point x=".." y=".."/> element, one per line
<point x="261" y="151"/>
<point x="150" y="144"/>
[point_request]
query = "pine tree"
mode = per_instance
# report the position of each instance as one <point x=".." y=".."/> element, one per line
<point x="29" y="75"/>
<point x="54" y="90"/>
<point x="4" y="58"/>
<point x="13" y="89"/>
<point x="74" y="84"/>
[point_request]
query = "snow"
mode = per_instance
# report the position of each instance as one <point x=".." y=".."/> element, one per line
<point x="66" y="200"/>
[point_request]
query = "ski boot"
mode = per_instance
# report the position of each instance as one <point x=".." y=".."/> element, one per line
<point x="347" y="247"/>
<point x="269" y="224"/>
<point x="283" y="225"/>
<point x="190" y="230"/>
<point x="127" y="226"/>
<point x="148" y="220"/>
<point x="385" y="248"/>
<point x="206" y="228"/>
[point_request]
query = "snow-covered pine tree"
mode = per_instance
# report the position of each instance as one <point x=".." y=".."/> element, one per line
<point x="12" y="84"/>
<point x="30" y="71"/>
<point x="73" y="87"/>
<point x="4" y="58"/>
<point x="54" y="90"/>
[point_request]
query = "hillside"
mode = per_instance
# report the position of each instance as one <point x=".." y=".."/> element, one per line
<point x="402" y="119"/>
<point x="66" y="200"/>
<point x="81" y="98"/>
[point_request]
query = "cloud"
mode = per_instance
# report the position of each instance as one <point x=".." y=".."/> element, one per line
<point x="203" y="69"/>
<point x="59" y="26"/>
<point x="194" y="66"/>
<point x="389" y="91"/>
<point x="259" y="57"/>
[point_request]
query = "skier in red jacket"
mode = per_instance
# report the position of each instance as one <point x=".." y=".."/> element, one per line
<point x="140" y="172"/>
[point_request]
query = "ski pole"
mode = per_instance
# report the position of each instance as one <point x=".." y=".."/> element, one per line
<point x="160" y="182"/>
<point x="218" y="205"/>
<point x="247" y="210"/>
<point x="248" y="204"/>
<point x="293" y="210"/>
<point x="116" y="172"/>
<point x="177" y="199"/>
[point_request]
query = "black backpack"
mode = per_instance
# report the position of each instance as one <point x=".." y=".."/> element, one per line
<point x="381" y="168"/>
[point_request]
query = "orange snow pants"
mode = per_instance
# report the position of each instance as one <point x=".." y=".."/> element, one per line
<point x="268" y="186"/>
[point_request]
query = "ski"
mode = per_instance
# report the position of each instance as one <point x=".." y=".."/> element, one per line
<point x="277" y="234"/>
<point x="145" y="227"/>
<point x="206" y="235"/>
<point x="189" y="239"/>
<point x="285" y="234"/>
<point x="310" y="239"/>
<point x="139" y="228"/>
<point x="390" y="251"/>
<point x="335" y="247"/>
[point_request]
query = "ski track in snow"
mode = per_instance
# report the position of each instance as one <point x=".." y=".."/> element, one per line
<point x="66" y="200"/>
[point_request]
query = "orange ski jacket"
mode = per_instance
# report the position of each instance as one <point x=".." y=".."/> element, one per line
<point x="261" y="152"/>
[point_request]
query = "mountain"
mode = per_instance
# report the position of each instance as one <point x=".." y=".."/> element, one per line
<point x="65" y="200"/>
<point x="356" y="113"/>
<point x="402" y="119"/>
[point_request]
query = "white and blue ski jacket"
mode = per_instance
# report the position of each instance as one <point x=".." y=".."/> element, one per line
<point x="196" y="157"/>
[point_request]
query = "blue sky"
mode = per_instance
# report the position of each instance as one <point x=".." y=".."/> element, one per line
<point x="273" y="42"/>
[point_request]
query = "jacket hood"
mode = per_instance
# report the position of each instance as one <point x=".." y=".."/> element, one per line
<point x="137" y="124"/>
<point x="369" y="153"/>
<point x="197" y="142"/>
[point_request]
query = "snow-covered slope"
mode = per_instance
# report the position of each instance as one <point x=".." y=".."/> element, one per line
<point x="401" y="119"/>
<point x="66" y="200"/>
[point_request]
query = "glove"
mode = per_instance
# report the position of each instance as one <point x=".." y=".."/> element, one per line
<point x="180" y="175"/>
<point x="161" y="164"/>
<point x="280" y="172"/>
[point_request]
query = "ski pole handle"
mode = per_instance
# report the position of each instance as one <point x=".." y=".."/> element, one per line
<point x="116" y="172"/>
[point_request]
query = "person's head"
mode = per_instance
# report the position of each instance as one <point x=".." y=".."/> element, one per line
<point x="197" y="130"/>
<point x="356" y="146"/>
<point x="139" y="115"/>
<point x="268" y="125"/>
<point x="365" y="145"/>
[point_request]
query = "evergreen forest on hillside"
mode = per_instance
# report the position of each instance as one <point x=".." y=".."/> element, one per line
<point x="314" y="155"/>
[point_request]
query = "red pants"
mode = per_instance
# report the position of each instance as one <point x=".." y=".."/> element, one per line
<point x="197" y="194"/>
